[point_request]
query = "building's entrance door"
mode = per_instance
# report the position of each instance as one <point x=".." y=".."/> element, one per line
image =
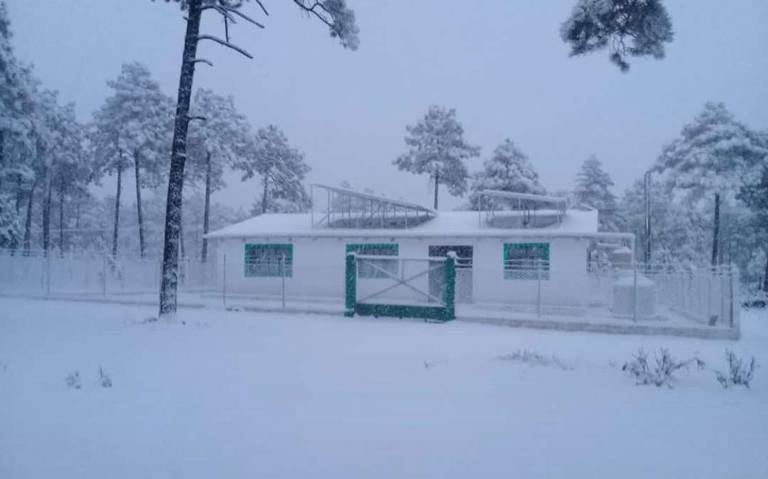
<point x="463" y="271"/>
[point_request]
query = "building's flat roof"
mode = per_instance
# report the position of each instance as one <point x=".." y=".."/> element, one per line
<point x="446" y="224"/>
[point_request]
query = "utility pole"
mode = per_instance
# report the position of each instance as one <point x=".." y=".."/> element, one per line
<point x="647" y="224"/>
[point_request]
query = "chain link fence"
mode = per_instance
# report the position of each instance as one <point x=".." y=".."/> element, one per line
<point x="642" y="294"/>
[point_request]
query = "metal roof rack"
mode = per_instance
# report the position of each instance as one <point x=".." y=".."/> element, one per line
<point x="525" y="210"/>
<point x="347" y="208"/>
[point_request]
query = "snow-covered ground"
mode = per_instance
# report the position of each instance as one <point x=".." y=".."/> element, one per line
<point x="229" y="394"/>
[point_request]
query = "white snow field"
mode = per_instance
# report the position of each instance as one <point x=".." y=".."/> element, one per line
<point x="255" y="395"/>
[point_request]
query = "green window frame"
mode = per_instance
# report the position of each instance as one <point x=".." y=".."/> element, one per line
<point x="366" y="270"/>
<point x="268" y="260"/>
<point x="526" y="261"/>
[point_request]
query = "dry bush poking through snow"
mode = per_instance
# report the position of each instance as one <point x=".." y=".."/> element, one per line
<point x="104" y="380"/>
<point x="738" y="374"/>
<point x="661" y="373"/>
<point x="73" y="380"/>
<point x="535" y="359"/>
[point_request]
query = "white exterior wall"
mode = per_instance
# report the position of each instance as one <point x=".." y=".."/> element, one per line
<point x="318" y="269"/>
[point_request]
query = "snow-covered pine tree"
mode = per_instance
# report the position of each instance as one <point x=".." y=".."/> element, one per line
<point x="677" y="233"/>
<point x="593" y="188"/>
<point x="710" y="158"/>
<point x="133" y="128"/>
<point x="16" y="139"/>
<point x="340" y="21"/>
<point x="218" y="139"/>
<point x="507" y="170"/>
<point x="625" y="27"/>
<point x="754" y="193"/>
<point x="59" y="145"/>
<point x="436" y="146"/>
<point x="71" y="167"/>
<point x="281" y="169"/>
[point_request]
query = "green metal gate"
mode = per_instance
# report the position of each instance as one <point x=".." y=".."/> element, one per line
<point x="399" y="287"/>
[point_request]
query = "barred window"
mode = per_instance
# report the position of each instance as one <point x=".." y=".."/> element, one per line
<point x="268" y="260"/>
<point x="369" y="269"/>
<point x="526" y="261"/>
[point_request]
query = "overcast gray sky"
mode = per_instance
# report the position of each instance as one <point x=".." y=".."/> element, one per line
<point x="500" y="63"/>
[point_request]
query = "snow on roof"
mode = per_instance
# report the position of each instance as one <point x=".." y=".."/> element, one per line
<point x="446" y="223"/>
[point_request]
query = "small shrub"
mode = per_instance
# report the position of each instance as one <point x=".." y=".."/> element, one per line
<point x="738" y="374"/>
<point x="535" y="359"/>
<point x="73" y="380"/>
<point x="104" y="380"/>
<point x="661" y="373"/>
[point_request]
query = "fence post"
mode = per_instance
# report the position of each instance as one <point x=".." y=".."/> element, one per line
<point x="538" y="288"/>
<point x="450" y="286"/>
<point x="731" y="321"/>
<point x="104" y="275"/>
<point x="350" y="277"/>
<point x="224" y="279"/>
<point x="282" y="279"/>
<point x="634" y="292"/>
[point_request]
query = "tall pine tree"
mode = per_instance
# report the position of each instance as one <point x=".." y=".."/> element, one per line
<point x="709" y="160"/>
<point x="437" y="147"/>
<point x="593" y="188"/>
<point x="281" y="169"/>
<point x="507" y="170"/>
<point x="340" y="21"/>
<point x="133" y="128"/>
<point x="218" y="139"/>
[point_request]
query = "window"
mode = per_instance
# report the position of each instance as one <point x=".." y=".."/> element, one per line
<point x="268" y="260"/>
<point x="526" y="261"/>
<point x="369" y="269"/>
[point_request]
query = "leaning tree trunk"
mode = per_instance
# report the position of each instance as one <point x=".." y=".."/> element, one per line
<point x="437" y="185"/>
<point x="116" y="224"/>
<point x="716" y="231"/>
<point x="62" y="194"/>
<point x="137" y="166"/>
<point x="47" y="213"/>
<point x="169" y="279"/>
<point x="206" y="207"/>
<point x="28" y="220"/>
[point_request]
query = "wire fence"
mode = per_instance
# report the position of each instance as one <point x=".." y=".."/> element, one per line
<point x="533" y="288"/>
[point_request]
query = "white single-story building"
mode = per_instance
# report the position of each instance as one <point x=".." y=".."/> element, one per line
<point x="504" y="256"/>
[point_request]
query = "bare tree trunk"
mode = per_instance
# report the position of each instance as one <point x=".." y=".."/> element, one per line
<point x="28" y="221"/>
<point x="116" y="224"/>
<point x="264" y="195"/>
<point x="716" y="231"/>
<point x="15" y="240"/>
<point x="169" y="279"/>
<point x="182" y="249"/>
<point x="206" y="207"/>
<point x="137" y="166"/>
<point x="62" y="191"/>
<point x="47" y="212"/>
<point x="18" y="193"/>
<point x="765" y="274"/>
<point x="437" y="185"/>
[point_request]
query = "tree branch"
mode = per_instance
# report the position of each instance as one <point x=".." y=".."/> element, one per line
<point x="227" y="12"/>
<point x="317" y="14"/>
<point x="225" y="44"/>
<point x="262" y="7"/>
<point x="203" y="60"/>
<point x="196" y="117"/>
